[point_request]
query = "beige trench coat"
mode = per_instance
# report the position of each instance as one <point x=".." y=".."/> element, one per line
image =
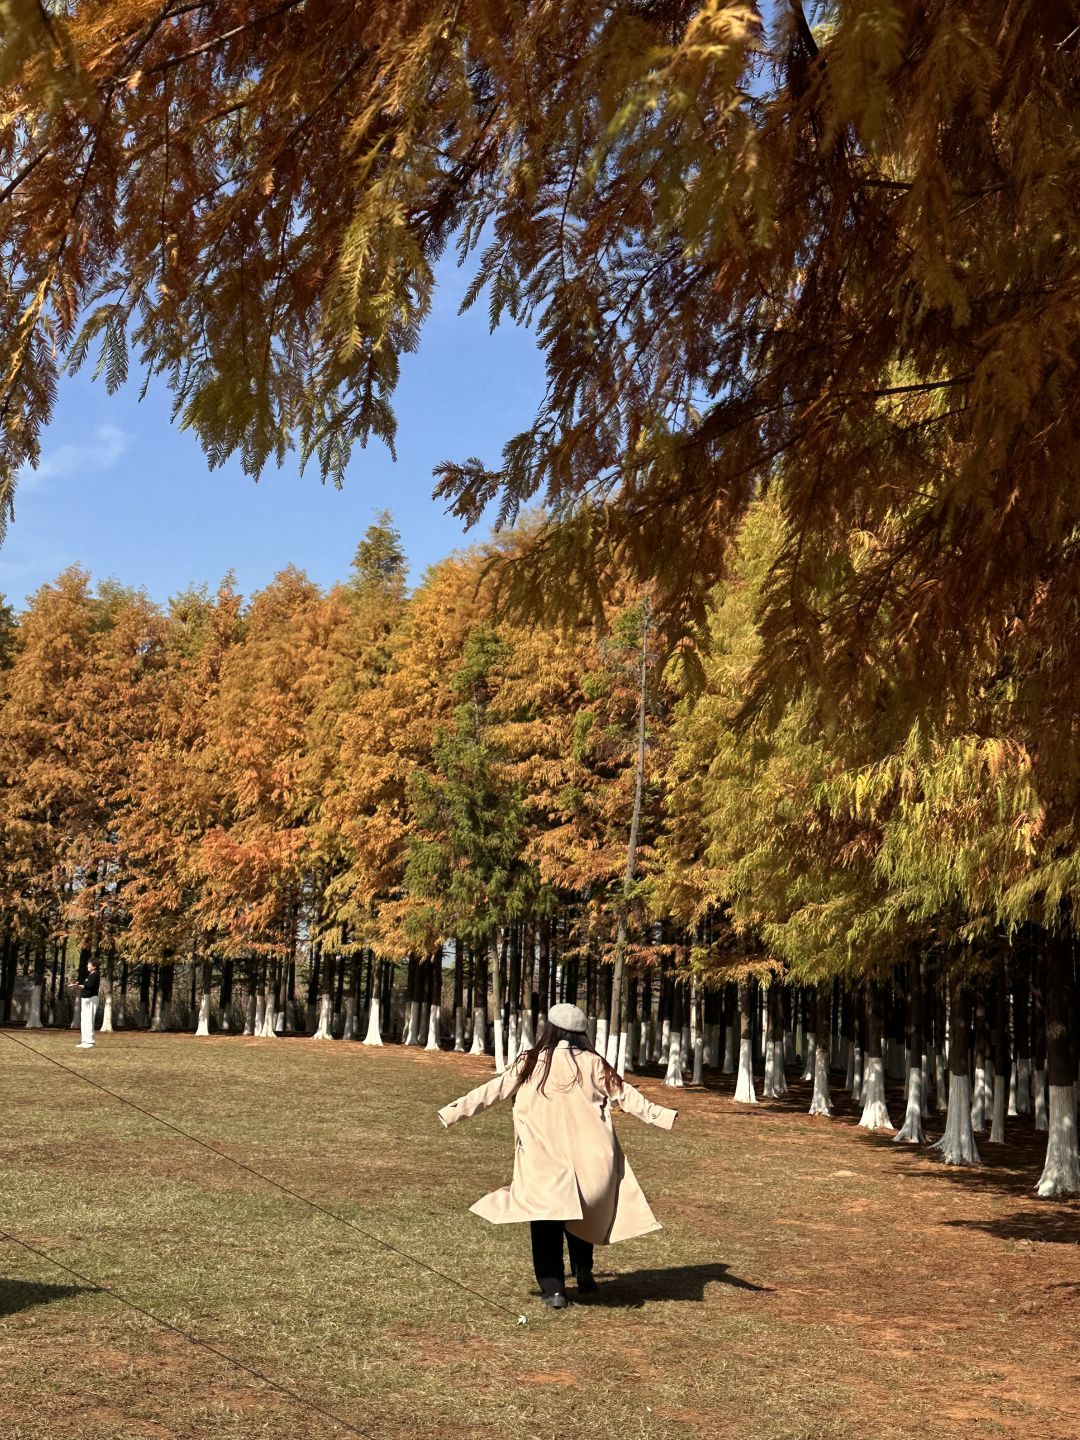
<point x="568" y="1164"/>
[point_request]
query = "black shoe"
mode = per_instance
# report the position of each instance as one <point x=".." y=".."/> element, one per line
<point x="585" y="1283"/>
<point x="555" y="1302"/>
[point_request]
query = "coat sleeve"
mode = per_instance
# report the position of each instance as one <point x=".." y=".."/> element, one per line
<point x="634" y="1103"/>
<point x="490" y="1093"/>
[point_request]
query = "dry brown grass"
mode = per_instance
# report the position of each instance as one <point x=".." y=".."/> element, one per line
<point x="811" y="1282"/>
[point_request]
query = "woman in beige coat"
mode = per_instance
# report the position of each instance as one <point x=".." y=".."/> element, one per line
<point x="570" y="1175"/>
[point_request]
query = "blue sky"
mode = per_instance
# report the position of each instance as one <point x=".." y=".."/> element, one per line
<point x="127" y="495"/>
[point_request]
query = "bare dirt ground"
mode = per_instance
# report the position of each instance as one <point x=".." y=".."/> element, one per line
<point x="812" y="1282"/>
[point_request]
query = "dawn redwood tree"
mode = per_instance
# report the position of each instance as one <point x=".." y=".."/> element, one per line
<point x="466" y="873"/>
<point x="48" y="796"/>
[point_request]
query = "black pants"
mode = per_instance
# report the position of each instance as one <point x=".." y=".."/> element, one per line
<point x="547" y="1251"/>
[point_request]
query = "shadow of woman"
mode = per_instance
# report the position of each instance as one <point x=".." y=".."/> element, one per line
<point x="16" y="1295"/>
<point x="681" y="1282"/>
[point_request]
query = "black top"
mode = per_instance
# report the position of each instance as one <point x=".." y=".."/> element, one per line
<point x="91" y="984"/>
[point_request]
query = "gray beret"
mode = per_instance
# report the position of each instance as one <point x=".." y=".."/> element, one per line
<point x="568" y="1017"/>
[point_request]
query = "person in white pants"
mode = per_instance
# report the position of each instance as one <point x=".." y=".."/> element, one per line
<point x="88" y="1013"/>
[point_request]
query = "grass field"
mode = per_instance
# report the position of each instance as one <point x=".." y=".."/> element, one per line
<point x="811" y="1282"/>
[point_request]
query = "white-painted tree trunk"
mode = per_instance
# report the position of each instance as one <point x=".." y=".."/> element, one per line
<point x="513" y="1039"/>
<point x="744" y="1084"/>
<point x="857" y="1077"/>
<point x="479" y="1031"/>
<point x="941" y="1082"/>
<point x="374" y="1024"/>
<point x="875" y="1111"/>
<point x="528" y="1039"/>
<point x="957" y="1145"/>
<point x="1061" y="1172"/>
<point x="808" y="1056"/>
<point x="412" y="1027"/>
<point x="781" y="1065"/>
<point x="324" y="1018"/>
<point x="268" y="1030"/>
<point x="978" y="1099"/>
<point x="699" y="1059"/>
<point x="730" y="1050"/>
<point x="820" y="1101"/>
<point x="694" y="1027"/>
<point x="33" y="1021"/>
<point x="422" y="1026"/>
<point x="849" y="1078"/>
<point x="665" y="1040"/>
<point x="591" y="1029"/>
<point x="925" y="1110"/>
<point x="1038" y="1089"/>
<point x="686" y="1047"/>
<point x="348" y="1018"/>
<point x="673" y="1074"/>
<point x="601" y="1037"/>
<point x="1023" y="1085"/>
<point x="774" y="1071"/>
<point x="434" y="1022"/>
<point x="203" y="1025"/>
<point x="1001" y="1095"/>
<point x="708" y="1050"/>
<point x="911" y="1132"/>
<point x="500" y="1052"/>
<point x="622" y="1057"/>
<point x="459" y="1030"/>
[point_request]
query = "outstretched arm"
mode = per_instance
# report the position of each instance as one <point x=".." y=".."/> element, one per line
<point x="634" y="1103"/>
<point x="501" y="1088"/>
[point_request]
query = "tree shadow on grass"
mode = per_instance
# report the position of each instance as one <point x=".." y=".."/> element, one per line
<point x="680" y="1282"/>
<point x="16" y="1295"/>
<point x="1058" y="1227"/>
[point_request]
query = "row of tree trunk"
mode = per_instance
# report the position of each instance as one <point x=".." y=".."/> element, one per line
<point x="973" y="1049"/>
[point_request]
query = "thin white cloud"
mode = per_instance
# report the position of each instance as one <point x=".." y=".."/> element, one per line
<point x="101" y="450"/>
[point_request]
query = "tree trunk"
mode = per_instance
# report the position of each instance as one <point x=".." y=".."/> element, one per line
<point x="875" y="1111"/>
<point x="821" y="1101"/>
<point x="205" y="990"/>
<point x="251" y="999"/>
<point x="979" y="1107"/>
<point x="459" y="998"/>
<point x="617" y="1023"/>
<point x="1002" y="1063"/>
<point x="435" y="1001"/>
<point x="1038" y="1045"/>
<point x="324" y="1016"/>
<point x="744" y="1084"/>
<point x="957" y="1145"/>
<point x="673" y="1075"/>
<point x="33" y="1019"/>
<point x="1061" y="1172"/>
<point x="496" y="1001"/>
<point x="731" y="1034"/>
<point x="480" y="988"/>
<point x="163" y="998"/>
<point x="373" y="1036"/>
<point x="911" y="1132"/>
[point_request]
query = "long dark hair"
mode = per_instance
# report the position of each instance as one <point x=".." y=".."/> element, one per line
<point x="553" y="1035"/>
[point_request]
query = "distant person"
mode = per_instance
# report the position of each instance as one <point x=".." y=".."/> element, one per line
<point x="570" y="1175"/>
<point x="88" y="1013"/>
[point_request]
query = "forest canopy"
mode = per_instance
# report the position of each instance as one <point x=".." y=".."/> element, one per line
<point x="828" y="251"/>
